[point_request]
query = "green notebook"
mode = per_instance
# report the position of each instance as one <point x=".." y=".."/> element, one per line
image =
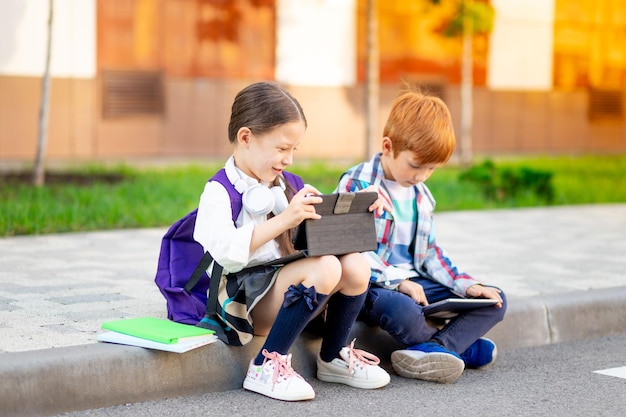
<point x="158" y="330"/>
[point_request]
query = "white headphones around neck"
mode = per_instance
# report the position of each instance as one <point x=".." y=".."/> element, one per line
<point x="256" y="198"/>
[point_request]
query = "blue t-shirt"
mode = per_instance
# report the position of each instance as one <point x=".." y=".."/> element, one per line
<point x="405" y="217"/>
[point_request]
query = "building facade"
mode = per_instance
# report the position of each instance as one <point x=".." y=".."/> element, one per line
<point x="155" y="78"/>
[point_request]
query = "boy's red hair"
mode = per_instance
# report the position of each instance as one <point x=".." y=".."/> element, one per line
<point x="421" y="124"/>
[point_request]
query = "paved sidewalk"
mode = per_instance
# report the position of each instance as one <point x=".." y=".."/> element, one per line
<point x="562" y="269"/>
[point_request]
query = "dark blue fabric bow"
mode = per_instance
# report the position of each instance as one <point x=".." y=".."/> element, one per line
<point x="293" y="294"/>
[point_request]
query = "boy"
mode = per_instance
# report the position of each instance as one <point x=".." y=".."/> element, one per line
<point x="408" y="269"/>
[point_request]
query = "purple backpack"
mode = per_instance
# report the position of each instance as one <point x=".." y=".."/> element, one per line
<point x="181" y="273"/>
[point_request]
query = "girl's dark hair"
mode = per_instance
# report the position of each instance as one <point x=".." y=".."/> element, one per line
<point x="261" y="107"/>
<point x="285" y="239"/>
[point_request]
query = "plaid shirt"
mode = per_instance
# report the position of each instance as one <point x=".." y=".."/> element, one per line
<point x="429" y="260"/>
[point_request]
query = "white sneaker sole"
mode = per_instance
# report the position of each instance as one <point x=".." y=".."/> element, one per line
<point x="352" y="382"/>
<point x="435" y="367"/>
<point x="326" y="374"/>
<point x="306" y="394"/>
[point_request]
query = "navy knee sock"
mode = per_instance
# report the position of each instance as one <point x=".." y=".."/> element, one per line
<point x="341" y="313"/>
<point x="300" y="304"/>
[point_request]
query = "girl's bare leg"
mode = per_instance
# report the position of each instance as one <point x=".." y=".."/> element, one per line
<point x="355" y="274"/>
<point x="323" y="273"/>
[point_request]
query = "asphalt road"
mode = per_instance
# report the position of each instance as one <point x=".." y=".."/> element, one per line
<point x="552" y="380"/>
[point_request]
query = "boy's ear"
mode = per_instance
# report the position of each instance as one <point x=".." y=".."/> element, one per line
<point x="387" y="146"/>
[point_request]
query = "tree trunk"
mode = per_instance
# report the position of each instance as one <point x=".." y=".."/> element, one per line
<point x="467" y="83"/>
<point x="42" y="137"/>
<point x="371" y="78"/>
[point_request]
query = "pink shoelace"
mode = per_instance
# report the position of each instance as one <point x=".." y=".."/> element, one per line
<point x="359" y="356"/>
<point x="282" y="365"/>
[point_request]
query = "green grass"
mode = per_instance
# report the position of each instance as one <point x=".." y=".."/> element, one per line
<point x="152" y="197"/>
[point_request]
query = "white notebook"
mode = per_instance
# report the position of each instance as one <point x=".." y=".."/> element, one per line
<point x="180" y="347"/>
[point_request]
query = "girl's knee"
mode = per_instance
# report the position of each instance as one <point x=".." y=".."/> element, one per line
<point x="355" y="272"/>
<point x="324" y="274"/>
<point x="356" y="264"/>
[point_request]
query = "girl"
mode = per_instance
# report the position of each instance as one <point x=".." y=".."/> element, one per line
<point x="266" y="126"/>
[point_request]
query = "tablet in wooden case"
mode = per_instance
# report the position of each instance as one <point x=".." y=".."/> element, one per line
<point x="346" y="226"/>
<point x="451" y="307"/>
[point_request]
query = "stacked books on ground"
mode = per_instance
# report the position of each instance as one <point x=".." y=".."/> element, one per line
<point x="155" y="333"/>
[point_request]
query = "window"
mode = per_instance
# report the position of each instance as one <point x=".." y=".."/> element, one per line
<point x="606" y="105"/>
<point x="130" y="93"/>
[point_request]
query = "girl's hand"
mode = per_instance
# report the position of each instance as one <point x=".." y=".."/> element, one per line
<point x="480" y="291"/>
<point x="379" y="205"/>
<point x="301" y="207"/>
<point x="413" y="290"/>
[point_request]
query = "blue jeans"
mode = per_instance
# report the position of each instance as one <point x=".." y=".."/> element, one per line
<point x="400" y="316"/>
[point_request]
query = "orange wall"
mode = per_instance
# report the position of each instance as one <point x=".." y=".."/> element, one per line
<point x="188" y="38"/>
<point x="71" y="117"/>
<point x="197" y="111"/>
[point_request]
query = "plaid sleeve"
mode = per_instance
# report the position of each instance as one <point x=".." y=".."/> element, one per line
<point x="439" y="267"/>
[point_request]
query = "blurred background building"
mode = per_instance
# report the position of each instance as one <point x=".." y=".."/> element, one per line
<point x="156" y="78"/>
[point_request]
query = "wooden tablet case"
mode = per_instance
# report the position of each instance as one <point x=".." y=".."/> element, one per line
<point x="346" y="226"/>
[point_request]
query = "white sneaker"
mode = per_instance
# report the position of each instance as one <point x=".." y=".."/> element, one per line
<point x="276" y="378"/>
<point x="356" y="368"/>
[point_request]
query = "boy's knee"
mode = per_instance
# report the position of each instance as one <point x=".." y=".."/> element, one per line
<point x="505" y="305"/>
<point x="396" y="306"/>
<point x="408" y="327"/>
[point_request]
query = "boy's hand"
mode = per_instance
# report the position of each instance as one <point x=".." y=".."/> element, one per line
<point x="413" y="290"/>
<point x="379" y="205"/>
<point x="478" y="291"/>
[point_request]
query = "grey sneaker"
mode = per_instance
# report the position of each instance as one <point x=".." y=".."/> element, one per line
<point x="276" y="378"/>
<point x="356" y="368"/>
<point x="430" y="365"/>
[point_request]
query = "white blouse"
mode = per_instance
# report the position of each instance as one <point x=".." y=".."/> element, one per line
<point x="229" y="245"/>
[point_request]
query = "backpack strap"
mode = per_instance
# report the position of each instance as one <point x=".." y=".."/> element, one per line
<point x="235" y="196"/>
<point x="295" y="181"/>
<point x="205" y="261"/>
<point x="236" y="204"/>
<point x="201" y="268"/>
<point x="203" y="265"/>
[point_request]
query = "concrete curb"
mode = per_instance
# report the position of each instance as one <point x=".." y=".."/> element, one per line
<point x="52" y="381"/>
